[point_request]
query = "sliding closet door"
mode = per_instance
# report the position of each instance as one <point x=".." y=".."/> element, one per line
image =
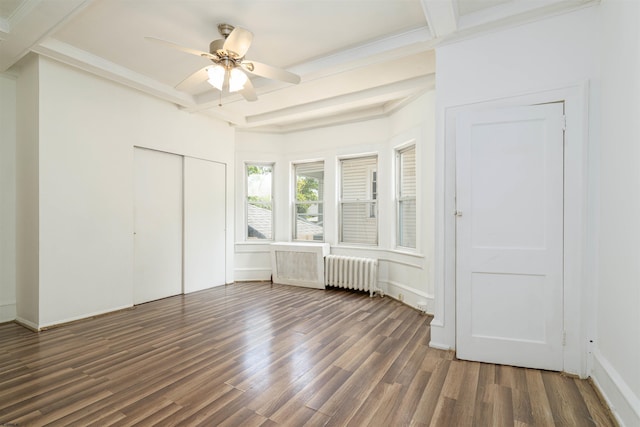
<point x="204" y="224"/>
<point x="157" y="225"/>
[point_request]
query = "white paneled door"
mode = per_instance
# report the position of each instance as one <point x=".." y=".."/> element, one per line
<point x="157" y="225"/>
<point x="204" y="224"/>
<point x="509" y="236"/>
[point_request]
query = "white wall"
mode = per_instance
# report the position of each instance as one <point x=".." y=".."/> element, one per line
<point x="616" y="365"/>
<point x="87" y="130"/>
<point x="554" y="53"/>
<point x="401" y="272"/>
<point x="7" y="198"/>
<point x="596" y="48"/>
<point x="27" y="189"/>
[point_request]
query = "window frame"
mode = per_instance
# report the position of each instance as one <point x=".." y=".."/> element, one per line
<point x="373" y="215"/>
<point x="247" y="238"/>
<point x="400" y="198"/>
<point x="320" y="202"/>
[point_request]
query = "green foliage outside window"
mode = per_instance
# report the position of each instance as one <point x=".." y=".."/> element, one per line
<point x="306" y="190"/>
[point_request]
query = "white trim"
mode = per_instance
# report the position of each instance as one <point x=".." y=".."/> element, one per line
<point x="439" y="346"/>
<point x="41" y="326"/>
<point x="397" y="198"/>
<point x="377" y="252"/>
<point x="252" y="274"/>
<point x="412" y="297"/>
<point x="27" y="324"/>
<point x="624" y="404"/>
<point x="577" y="299"/>
<point x="252" y="247"/>
<point x="412" y="140"/>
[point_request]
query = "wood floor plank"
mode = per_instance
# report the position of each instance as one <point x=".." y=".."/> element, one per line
<point x="411" y="398"/>
<point x="538" y="398"/>
<point x="432" y="392"/>
<point x="466" y="397"/>
<point x="599" y="413"/>
<point x="258" y="354"/>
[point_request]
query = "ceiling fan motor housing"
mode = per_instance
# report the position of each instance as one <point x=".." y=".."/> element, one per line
<point x="225" y="29"/>
<point x="215" y="46"/>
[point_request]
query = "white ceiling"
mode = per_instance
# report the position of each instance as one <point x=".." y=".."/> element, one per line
<point x="357" y="58"/>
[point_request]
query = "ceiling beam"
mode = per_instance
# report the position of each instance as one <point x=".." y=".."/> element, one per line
<point x="441" y="15"/>
<point x="514" y="12"/>
<point x="345" y="105"/>
<point x="83" y="60"/>
<point x="388" y="48"/>
<point x="32" y="22"/>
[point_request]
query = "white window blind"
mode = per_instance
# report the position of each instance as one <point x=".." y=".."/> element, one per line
<point x="358" y="200"/>
<point x="406" y="197"/>
<point x="308" y="206"/>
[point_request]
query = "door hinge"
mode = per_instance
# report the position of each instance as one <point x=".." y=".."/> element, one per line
<point x="564" y="122"/>
<point x="564" y="338"/>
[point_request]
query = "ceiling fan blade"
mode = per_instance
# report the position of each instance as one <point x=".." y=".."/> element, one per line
<point x="194" y="79"/>
<point x="182" y="48"/>
<point x="238" y="41"/>
<point x="264" y="70"/>
<point x="249" y="92"/>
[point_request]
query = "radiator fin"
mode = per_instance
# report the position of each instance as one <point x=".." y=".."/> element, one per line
<point x="350" y="272"/>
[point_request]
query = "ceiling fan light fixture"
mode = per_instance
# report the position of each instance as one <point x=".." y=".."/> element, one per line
<point x="237" y="80"/>
<point x="216" y="76"/>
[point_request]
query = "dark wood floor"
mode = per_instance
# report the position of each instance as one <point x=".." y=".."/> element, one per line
<point x="255" y="354"/>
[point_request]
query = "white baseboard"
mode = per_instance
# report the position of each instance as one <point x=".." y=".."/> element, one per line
<point x="439" y="346"/>
<point x="81" y="317"/>
<point x="624" y="404"/>
<point x="27" y="324"/>
<point x="251" y="274"/>
<point x="438" y="336"/>
<point x="411" y="297"/>
<point x="7" y="312"/>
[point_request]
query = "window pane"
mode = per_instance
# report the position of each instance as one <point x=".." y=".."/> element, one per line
<point x="408" y="170"/>
<point x="358" y="207"/>
<point x="260" y="221"/>
<point x="309" y="224"/>
<point x="356" y="224"/>
<point x="406" y="198"/>
<point x="407" y="223"/>
<point x="309" y="194"/>
<point x="259" y="182"/>
<point x="359" y="178"/>
<point x="259" y="202"/>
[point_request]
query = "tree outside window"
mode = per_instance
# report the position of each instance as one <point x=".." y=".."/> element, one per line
<point x="259" y="202"/>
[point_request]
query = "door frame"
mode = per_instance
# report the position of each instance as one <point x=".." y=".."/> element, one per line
<point x="578" y="295"/>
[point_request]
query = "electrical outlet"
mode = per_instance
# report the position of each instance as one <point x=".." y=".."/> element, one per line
<point x="401" y="297"/>
<point x="422" y="306"/>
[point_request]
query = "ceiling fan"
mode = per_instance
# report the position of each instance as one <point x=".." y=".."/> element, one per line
<point x="229" y="72"/>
